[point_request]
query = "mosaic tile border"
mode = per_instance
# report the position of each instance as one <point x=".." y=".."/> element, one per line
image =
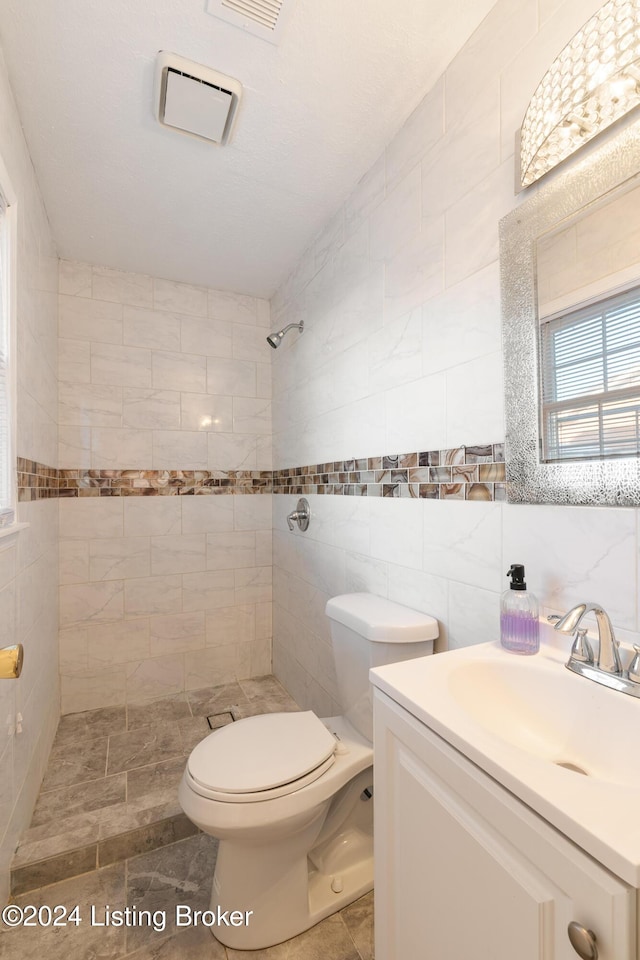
<point x="36" y="481"/>
<point x="460" y="473"/>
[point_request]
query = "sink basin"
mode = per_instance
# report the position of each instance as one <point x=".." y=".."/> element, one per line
<point x="563" y="744"/>
<point x="552" y="714"/>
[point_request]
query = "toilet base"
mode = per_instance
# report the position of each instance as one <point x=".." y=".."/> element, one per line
<point x="295" y="914"/>
<point x="288" y="890"/>
<point x="324" y="900"/>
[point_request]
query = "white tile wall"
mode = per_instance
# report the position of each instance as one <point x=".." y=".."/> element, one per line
<point x="115" y="285"/>
<point x="178" y="379"/>
<point x="149" y="367"/>
<point x="142" y="581"/>
<point x="29" y="564"/>
<point x="402" y="352"/>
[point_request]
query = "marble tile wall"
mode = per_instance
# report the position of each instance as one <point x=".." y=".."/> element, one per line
<point x="29" y="559"/>
<point x="164" y="389"/>
<point x="156" y="375"/>
<point x="402" y="351"/>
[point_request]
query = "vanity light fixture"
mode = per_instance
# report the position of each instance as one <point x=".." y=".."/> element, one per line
<point x="593" y="82"/>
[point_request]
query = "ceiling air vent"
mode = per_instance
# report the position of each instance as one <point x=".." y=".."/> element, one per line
<point x="262" y="18"/>
<point x="195" y="99"/>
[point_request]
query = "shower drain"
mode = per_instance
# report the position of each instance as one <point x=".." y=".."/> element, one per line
<point x="216" y="720"/>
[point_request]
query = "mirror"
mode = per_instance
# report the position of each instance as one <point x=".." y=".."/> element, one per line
<point x="596" y="253"/>
<point x="569" y="252"/>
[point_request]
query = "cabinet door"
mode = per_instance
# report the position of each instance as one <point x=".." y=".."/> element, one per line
<point x="464" y="870"/>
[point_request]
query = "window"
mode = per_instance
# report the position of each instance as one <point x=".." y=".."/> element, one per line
<point x="7" y="512"/>
<point x="590" y="381"/>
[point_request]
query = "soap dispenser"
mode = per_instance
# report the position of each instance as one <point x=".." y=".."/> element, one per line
<point x="519" y="628"/>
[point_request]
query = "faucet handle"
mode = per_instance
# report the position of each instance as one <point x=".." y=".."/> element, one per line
<point x="634" y="667"/>
<point x="300" y="515"/>
<point x="581" y="649"/>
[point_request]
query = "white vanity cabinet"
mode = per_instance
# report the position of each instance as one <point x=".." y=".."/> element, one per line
<point x="465" y="870"/>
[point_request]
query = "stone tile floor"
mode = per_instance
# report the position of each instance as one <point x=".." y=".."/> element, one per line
<point x="108" y="830"/>
<point x="110" y="788"/>
<point x="179" y="873"/>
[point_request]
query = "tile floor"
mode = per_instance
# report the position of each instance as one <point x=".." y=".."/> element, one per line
<point x="179" y="873"/>
<point x="107" y="830"/>
<point x="110" y="788"/>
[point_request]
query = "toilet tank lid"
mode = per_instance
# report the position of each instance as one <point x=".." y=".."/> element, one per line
<point x="381" y="620"/>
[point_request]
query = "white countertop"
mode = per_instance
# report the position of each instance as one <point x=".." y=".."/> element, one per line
<point x="516" y="717"/>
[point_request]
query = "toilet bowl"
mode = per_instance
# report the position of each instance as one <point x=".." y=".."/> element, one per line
<point x="289" y="795"/>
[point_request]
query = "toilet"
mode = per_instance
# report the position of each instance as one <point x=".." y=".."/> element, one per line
<point x="289" y="795"/>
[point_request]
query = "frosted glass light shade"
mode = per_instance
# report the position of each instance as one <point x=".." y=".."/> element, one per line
<point x="593" y="82"/>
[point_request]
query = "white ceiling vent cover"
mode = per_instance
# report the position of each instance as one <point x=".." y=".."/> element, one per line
<point x="262" y="18"/>
<point x="195" y="99"/>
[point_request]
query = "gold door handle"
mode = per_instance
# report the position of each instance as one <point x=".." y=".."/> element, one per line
<point x="11" y="659"/>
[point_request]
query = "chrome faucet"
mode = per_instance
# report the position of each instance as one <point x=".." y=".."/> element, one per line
<point x="606" y="666"/>
<point x="608" y="658"/>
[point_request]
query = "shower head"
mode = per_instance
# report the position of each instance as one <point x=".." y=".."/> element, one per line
<point x="275" y="339"/>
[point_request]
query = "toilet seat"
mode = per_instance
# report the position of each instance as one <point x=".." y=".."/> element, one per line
<point x="261" y="758"/>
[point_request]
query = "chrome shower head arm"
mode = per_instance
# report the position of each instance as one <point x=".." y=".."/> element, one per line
<point x="275" y="339"/>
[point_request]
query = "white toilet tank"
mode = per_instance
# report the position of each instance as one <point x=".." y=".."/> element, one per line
<point x="369" y="631"/>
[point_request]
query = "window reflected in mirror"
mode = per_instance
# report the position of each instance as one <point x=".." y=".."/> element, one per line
<point x="588" y="293"/>
<point x="590" y="381"/>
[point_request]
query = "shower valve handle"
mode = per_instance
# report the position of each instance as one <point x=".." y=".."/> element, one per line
<point x="300" y="515"/>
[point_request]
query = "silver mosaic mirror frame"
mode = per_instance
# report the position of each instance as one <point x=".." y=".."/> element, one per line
<point x="608" y="482"/>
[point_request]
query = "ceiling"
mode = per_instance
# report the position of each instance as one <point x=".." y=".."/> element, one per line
<point x="317" y="110"/>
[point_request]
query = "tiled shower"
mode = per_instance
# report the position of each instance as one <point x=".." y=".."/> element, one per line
<point x="165" y="512"/>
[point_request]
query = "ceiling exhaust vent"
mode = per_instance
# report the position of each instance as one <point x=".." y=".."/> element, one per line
<point x="262" y="18"/>
<point x="195" y="99"/>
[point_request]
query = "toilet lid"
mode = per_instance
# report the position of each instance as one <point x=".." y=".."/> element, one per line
<point x="261" y="753"/>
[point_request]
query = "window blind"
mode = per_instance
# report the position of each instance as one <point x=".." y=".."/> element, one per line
<point x="7" y="514"/>
<point x="590" y="381"/>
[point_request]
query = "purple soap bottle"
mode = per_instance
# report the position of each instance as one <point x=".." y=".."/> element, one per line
<point x="519" y="628"/>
